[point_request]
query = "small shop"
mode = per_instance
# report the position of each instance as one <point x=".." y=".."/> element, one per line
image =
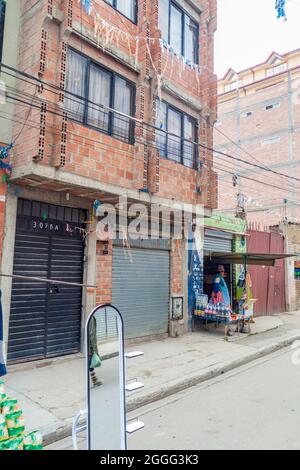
<point x="228" y="300"/>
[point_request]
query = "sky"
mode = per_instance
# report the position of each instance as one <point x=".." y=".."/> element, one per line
<point x="248" y="31"/>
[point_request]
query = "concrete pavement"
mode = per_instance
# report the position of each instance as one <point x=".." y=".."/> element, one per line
<point x="51" y="392"/>
<point x="254" y="407"/>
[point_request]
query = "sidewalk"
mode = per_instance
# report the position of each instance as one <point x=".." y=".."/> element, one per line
<point x="52" y="392"/>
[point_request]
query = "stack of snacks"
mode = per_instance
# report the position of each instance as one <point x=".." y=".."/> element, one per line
<point x="12" y="426"/>
<point x="33" y="441"/>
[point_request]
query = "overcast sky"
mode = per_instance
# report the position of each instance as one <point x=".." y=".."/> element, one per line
<point x="248" y="32"/>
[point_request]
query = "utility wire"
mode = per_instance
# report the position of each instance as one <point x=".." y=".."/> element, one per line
<point x="261" y="167"/>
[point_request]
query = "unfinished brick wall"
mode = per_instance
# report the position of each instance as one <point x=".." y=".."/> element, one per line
<point x="103" y="273"/>
<point x="271" y="137"/>
<point x="48" y="28"/>
<point x="176" y="267"/>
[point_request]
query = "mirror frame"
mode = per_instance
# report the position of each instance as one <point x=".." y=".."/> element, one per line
<point x="123" y="442"/>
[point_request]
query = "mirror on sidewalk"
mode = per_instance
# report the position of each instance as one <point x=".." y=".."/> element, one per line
<point x="106" y="428"/>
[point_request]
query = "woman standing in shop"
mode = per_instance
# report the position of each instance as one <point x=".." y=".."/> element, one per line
<point x="220" y="293"/>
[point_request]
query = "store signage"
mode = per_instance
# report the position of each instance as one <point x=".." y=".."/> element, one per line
<point x="52" y="227"/>
<point x="225" y="222"/>
<point x="45" y="226"/>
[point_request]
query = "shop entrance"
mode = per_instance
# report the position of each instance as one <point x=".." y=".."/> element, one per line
<point x="210" y="270"/>
<point x="45" y="319"/>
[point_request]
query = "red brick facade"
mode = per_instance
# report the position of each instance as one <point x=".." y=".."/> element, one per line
<point x="263" y="118"/>
<point x="55" y="154"/>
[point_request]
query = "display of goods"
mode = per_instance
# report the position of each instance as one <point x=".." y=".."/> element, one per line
<point x="3" y="429"/>
<point x="14" y="443"/>
<point x="2" y="391"/>
<point x="33" y="441"/>
<point x="15" y="423"/>
<point x="9" y="405"/>
<point x="201" y="301"/>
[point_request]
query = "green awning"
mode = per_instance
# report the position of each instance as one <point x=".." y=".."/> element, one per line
<point x="257" y="259"/>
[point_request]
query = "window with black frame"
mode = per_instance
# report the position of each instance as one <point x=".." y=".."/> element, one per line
<point x="127" y="7"/>
<point x="179" y="30"/>
<point x="2" y="19"/>
<point x="91" y="90"/>
<point x="176" y="135"/>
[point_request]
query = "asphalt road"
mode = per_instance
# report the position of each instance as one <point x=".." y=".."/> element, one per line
<point x="253" y="407"/>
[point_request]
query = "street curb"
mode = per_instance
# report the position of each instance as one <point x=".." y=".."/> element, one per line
<point x="213" y="372"/>
<point x="174" y="387"/>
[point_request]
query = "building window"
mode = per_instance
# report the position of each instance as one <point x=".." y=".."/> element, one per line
<point x="2" y="17"/>
<point x="276" y="70"/>
<point x="272" y="106"/>
<point x="127" y="7"/>
<point x="179" y="30"/>
<point x="233" y="86"/>
<point x="178" y="135"/>
<point x="92" y="90"/>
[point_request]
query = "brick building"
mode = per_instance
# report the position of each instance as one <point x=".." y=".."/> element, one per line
<point x="101" y="103"/>
<point x="259" y="110"/>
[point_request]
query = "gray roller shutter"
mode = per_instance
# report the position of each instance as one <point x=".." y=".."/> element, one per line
<point x="106" y="327"/>
<point x="218" y="241"/>
<point x="140" y="290"/>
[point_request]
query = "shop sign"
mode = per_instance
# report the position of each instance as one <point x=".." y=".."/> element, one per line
<point x="50" y="227"/>
<point x="226" y="222"/>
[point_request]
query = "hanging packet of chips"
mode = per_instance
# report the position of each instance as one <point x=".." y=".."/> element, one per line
<point x="14" y="443"/>
<point x="15" y="423"/>
<point x="2" y="391"/>
<point x="33" y="441"/>
<point x="3" y="429"/>
<point x="9" y="405"/>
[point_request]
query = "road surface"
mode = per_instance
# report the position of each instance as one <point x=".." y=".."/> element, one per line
<point x="253" y="407"/>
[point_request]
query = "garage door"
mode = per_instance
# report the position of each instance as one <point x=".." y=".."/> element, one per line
<point x="140" y="290"/>
<point x="45" y="320"/>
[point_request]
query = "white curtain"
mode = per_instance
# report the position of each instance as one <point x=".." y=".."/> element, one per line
<point x="191" y="39"/>
<point x="161" y="123"/>
<point x="127" y="7"/>
<point x="99" y="93"/>
<point x="189" y="147"/>
<point x="174" y="143"/>
<point x="122" y="103"/>
<point x="75" y="84"/>
<point x="176" y="29"/>
<point x="163" y="18"/>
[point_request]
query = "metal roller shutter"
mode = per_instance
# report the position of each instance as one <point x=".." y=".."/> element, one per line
<point x="45" y="321"/>
<point x="218" y="241"/>
<point x="106" y="327"/>
<point x="141" y="290"/>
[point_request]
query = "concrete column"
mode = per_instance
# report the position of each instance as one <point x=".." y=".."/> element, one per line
<point x="8" y="260"/>
<point x="89" y="294"/>
<point x="185" y="281"/>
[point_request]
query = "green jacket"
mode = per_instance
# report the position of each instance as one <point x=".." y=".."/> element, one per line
<point x="93" y="346"/>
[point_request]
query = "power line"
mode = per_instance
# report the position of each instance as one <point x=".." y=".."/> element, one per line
<point x="158" y="129"/>
<point x="130" y="154"/>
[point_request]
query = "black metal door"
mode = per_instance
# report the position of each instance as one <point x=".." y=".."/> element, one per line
<point x="45" y="319"/>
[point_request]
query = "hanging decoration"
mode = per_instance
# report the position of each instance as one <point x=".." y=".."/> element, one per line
<point x="105" y="34"/>
<point x="4" y="155"/>
<point x="87" y="5"/>
<point x="280" y="7"/>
